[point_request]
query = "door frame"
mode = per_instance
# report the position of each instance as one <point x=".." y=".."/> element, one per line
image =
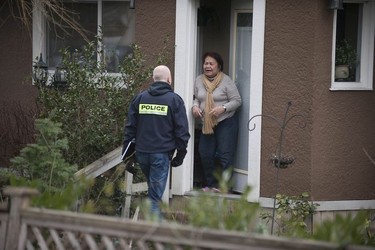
<point x="185" y="69"/>
<point x="240" y="173"/>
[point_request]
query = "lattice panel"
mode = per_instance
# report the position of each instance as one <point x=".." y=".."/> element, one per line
<point x="43" y="238"/>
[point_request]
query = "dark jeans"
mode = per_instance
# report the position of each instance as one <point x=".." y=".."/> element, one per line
<point x="221" y="146"/>
<point x="155" y="167"/>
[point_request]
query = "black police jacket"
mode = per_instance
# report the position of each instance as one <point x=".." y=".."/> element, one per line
<point x="157" y="120"/>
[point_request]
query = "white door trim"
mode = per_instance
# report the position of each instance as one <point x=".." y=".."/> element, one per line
<point x="184" y="76"/>
<point x="185" y="60"/>
<point x="256" y="97"/>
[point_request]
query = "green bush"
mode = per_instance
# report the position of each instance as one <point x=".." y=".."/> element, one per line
<point x="207" y="210"/>
<point x="93" y="105"/>
<point x="352" y="229"/>
<point x="41" y="165"/>
<point x="291" y="215"/>
<point x="91" y="108"/>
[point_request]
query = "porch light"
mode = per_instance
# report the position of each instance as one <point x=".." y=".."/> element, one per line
<point x="59" y="78"/>
<point x="40" y="70"/>
<point x="336" y="4"/>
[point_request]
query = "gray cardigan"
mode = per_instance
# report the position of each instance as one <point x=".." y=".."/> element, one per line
<point x="226" y="94"/>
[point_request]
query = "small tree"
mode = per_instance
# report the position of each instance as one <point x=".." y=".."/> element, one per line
<point x="41" y="165"/>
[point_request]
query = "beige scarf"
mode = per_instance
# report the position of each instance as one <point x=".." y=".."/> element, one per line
<point x="210" y="121"/>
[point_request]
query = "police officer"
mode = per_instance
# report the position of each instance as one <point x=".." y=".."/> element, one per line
<point x="158" y="122"/>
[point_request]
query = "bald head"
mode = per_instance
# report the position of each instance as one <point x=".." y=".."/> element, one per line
<point x="162" y="73"/>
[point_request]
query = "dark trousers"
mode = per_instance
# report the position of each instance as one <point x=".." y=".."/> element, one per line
<point x="155" y="167"/>
<point x="220" y="146"/>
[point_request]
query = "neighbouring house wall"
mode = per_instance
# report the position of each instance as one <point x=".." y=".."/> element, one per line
<point x="329" y="161"/>
<point x="17" y="95"/>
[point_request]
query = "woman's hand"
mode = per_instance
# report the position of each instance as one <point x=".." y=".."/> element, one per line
<point x="217" y="111"/>
<point x="197" y="112"/>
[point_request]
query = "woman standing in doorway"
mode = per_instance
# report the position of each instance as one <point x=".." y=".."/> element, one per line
<point x="216" y="99"/>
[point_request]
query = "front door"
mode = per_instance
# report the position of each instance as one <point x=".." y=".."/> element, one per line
<point x="226" y="27"/>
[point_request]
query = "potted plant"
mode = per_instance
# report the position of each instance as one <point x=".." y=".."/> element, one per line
<point x="345" y="58"/>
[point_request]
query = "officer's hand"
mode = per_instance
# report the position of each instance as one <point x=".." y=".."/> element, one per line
<point x="179" y="158"/>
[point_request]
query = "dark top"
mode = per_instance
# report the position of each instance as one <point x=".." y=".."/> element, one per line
<point x="157" y="120"/>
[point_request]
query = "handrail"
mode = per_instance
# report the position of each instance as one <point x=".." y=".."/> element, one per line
<point x="101" y="165"/>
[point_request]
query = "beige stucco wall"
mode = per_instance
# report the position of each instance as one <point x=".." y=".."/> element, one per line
<point x="330" y="162"/>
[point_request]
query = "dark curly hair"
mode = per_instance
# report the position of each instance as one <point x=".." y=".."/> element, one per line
<point x="215" y="56"/>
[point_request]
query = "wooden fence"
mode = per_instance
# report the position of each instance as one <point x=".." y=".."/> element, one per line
<point x="24" y="227"/>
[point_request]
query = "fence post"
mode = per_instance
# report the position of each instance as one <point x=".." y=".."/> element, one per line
<point x="128" y="193"/>
<point x="19" y="199"/>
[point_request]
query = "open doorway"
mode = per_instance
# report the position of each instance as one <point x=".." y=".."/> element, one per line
<point x="226" y="27"/>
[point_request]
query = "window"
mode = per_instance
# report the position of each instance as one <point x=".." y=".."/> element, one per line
<point x="353" y="46"/>
<point x="115" y="19"/>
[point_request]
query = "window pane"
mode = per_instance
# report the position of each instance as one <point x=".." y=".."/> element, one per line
<point x="118" y="32"/>
<point x="244" y="19"/>
<point x="59" y="37"/>
<point x="348" y="43"/>
<point x="242" y="78"/>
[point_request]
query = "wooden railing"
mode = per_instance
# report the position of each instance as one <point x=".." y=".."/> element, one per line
<point x="107" y="162"/>
<point x="24" y="227"/>
<point x="101" y="165"/>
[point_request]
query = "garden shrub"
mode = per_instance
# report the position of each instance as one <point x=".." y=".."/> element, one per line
<point x="92" y="107"/>
<point x="350" y="229"/>
<point x="41" y="165"/>
<point x="207" y="210"/>
<point x="291" y="215"/>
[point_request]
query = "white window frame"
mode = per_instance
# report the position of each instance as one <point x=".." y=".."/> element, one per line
<point x="367" y="51"/>
<point x="39" y="32"/>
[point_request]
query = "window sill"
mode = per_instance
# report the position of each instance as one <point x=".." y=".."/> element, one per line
<point x="348" y="88"/>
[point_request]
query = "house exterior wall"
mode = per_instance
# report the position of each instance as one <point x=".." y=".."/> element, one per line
<point x="17" y="95"/>
<point x="15" y="60"/>
<point x="329" y="159"/>
<point x="155" y="22"/>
